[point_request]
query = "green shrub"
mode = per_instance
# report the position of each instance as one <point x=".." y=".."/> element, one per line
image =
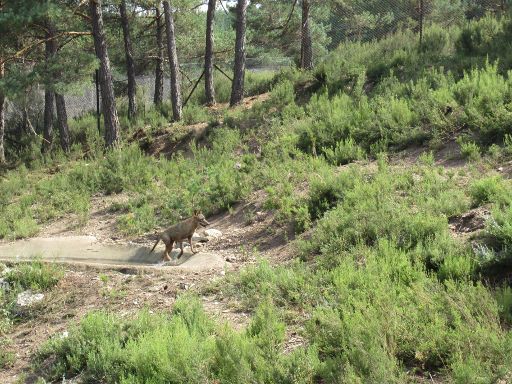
<point x="504" y="300"/>
<point x="285" y="286"/>
<point x="258" y="82"/>
<point x="185" y="347"/>
<point x="389" y="314"/>
<point x="500" y="227"/>
<point x="435" y="40"/>
<point x="36" y="275"/>
<point x="139" y="220"/>
<point x="476" y="37"/>
<point x="490" y="190"/>
<point x="345" y="152"/>
<point x="469" y="150"/>
<point x="126" y="168"/>
<point x="327" y="192"/>
<point x="7" y="358"/>
<point x="457" y="267"/>
<point x="485" y="96"/>
<point x="507" y="141"/>
<point x="282" y="94"/>
<point x="193" y="114"/>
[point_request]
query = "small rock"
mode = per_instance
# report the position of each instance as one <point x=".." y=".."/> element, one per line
<point x="28" y="298"/>
<point x="215" y="233"/>
<point x="184" y="286"/>
<point x="229" y="259"/>
<point x="238" y="165"/>
<point x="197" y="238"/>
<point x="4" y="284"/>
<point x="500" y="169"/>
<point x="222" y="273"/>
<point x="64" y="335"/>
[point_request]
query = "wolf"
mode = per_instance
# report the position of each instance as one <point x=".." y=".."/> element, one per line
<point x="179" y="232"/>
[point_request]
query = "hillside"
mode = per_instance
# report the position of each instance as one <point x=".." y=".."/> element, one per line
<point x="365" y="210"/>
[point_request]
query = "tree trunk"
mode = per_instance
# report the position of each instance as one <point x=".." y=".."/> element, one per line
<point x="208" y="56"/>
<point x="60" y="104"/>
<point x="50" y="50"/>
<point x="107" y="89"/>
<point x="237" y="89"/>
<point x="48" y="120"/>
<point x="159" y="69"/>
<point x="2" y="119"/>
<point x="130" y="66"/>
<point x="306" y="46"/>
<point x="177" y="109"/>
<point x="62" y="121"/>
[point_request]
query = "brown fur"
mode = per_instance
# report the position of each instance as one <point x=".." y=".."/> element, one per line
<point x="179" y="232"/>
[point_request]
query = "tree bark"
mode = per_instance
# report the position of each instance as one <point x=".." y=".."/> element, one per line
<point x="2" y="119"/>
<point x="112" y="136"/>
<point x="177" y="109"/>
<point x="130" y="65"/>
<point x="306" y="46"/>
<point x="159" y="69"/>
<point x="208" y="56"/>
<point x="237" y="89"/>
<point x="60" y="104"/>
<point x="62" y="121"/>
<point x="48" y="120"/>
<point x="50" y="50"/>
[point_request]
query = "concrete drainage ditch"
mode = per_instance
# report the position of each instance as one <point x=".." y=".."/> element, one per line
<point x="88" y="250"/>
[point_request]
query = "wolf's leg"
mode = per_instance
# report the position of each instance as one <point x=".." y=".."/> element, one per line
<point x="168" y="250"/>
<point x="190" y="242"/>
<point x="181" y="253"/>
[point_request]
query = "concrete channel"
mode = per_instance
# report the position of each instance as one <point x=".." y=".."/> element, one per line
<point x="88" y="250"/>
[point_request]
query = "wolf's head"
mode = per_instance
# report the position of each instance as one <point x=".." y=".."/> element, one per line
<point x="200" y="218"/>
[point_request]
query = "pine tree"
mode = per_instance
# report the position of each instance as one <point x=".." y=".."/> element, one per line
<point x="112" y="131"/>
<point x="237" y="89"/>
<point x="177" y="108"/>
<point x="130" y="65"/>
<point x="306" y="51"/>
<point x="159" y="68"/>
<point x="208" y="56"/>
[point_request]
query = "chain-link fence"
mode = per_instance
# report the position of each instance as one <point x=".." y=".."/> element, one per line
<point x="84" y="101"/>
<point x="369" y="20"/>
<point x="330" y="24"/>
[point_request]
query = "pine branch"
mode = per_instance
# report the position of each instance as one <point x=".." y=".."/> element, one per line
<point x="28" y="48"/>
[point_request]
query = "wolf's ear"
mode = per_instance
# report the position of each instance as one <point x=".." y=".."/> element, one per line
<point x="196" y="212"/>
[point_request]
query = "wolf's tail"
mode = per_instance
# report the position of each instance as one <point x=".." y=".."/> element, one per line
<point x="154" y="246"/>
